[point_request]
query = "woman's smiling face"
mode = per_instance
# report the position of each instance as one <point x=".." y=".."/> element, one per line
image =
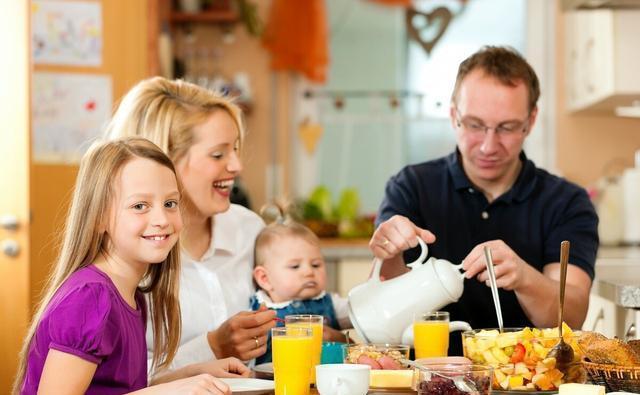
<point x="208" y="169"/>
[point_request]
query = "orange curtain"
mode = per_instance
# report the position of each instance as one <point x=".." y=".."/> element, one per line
<point x="297" y="37"/>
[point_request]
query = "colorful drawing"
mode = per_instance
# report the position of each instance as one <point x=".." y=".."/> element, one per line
<point x="69" y="112"/>
<point x="66" y="32"/>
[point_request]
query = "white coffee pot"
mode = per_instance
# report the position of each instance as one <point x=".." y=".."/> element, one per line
<point x="383" y="311"/>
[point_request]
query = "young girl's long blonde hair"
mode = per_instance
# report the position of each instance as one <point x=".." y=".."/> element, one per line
<point x="167" y="111"/>
<point x="84" y="238"/>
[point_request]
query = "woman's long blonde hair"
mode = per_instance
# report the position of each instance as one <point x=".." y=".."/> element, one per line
<point x="84" y="238"/>
<point x="166" y="112"/>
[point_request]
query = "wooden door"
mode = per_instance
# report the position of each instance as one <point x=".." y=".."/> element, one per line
<point x="14" y="184"/>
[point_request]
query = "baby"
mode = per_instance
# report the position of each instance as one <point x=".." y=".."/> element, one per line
<point x="290" y="272"/>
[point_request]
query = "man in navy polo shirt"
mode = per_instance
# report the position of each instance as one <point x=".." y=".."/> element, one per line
<point x="488" y="193"/>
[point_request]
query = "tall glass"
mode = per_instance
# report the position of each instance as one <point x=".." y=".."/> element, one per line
<point x="313" y="322"/>
<point x="431" y="334"/>
<point x="292" y="355"/>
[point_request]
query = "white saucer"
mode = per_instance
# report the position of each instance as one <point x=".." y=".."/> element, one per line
<point x="247" y="386"/>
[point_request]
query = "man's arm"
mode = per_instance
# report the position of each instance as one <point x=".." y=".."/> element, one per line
<point x="537" y="292"/>
<point x="539" y="296"/>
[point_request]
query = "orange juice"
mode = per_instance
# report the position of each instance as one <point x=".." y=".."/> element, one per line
<point x="431" y="338"/>
<point x="316" y="344"/>
<point x="292" y="357"/>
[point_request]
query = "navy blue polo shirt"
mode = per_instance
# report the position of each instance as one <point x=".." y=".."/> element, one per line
<point x="533" y="218"/>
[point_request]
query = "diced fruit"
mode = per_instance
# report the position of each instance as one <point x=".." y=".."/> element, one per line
<point x="516" y="381"/>
<point x="518" y="353"/>
<point x="488" y="356"/>
<point x="506" y="341"/>
<point x="520" y="358"/>
<point x="542" y="381"/>
<point x="500" y="355"/>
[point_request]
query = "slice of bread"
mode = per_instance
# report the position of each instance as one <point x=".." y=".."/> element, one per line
<point x="612" y="352"/>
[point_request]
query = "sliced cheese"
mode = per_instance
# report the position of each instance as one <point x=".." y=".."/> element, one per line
<point x="391" y="378"/>
<point x="580" y="389"/>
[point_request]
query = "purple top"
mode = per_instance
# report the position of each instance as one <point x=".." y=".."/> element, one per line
<point x="88" y="318"/>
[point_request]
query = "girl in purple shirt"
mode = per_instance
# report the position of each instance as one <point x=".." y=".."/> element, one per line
<point x="88" y="334"/>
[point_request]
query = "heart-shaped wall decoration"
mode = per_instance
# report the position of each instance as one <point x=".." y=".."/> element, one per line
<point x="427" y="28"/>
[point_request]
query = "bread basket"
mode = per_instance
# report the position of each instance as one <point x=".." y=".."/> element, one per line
<point x="614" y="377"/>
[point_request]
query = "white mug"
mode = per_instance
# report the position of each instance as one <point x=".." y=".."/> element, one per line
<point x="342" y="379"/>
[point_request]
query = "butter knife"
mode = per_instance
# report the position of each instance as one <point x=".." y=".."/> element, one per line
<point x="494" y="286"/>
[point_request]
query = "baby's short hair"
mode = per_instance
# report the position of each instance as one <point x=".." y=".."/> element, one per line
<point x="280" y="225"/>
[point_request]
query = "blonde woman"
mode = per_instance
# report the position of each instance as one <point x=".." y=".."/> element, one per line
<point x="203" y="133"/>
<point x="87" y="335"/>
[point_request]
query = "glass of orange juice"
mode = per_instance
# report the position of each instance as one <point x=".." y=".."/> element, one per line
<point x="292" y="356"/>
<point x="431" y="334"/>
<point x="313" y="322"/>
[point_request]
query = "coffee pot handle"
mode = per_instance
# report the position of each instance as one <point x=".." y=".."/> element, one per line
<point x="377" y="262"/>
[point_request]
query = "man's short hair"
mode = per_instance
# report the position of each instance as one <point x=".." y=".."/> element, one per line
<point x="503" y="63"/>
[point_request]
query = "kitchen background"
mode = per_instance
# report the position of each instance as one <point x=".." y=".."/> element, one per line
<point x="380" y="102"/>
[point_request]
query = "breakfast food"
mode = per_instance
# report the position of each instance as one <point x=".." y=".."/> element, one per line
<point x="580" y="389"/>
<point x="378" y="356"/>
<point x="453" y="379"/>
<point x="599" y="349"/>
<point x="390" y="378"/>
<point x="519" y="357"/>
<point x="635" y="345"/>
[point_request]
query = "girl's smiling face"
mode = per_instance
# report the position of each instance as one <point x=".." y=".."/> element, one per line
<point x="144" y="219"/>
<point x="209" y="167"/>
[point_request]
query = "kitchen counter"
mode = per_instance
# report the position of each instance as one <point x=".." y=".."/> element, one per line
<point x="336" y="249"/>
<point x="618" y="275"/>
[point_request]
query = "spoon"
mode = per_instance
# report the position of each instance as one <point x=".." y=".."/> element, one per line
<point x="494" y="286"/>
<point x="462" y="382"/>
<point x="562" y="352"/>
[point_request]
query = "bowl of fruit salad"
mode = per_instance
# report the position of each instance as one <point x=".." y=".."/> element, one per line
<point x="519" y="357"/>
<point x="386" y="369"/>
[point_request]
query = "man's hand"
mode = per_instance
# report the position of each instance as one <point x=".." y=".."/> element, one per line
<point x="537" y="292"/>
<point x="244" y="335"/>
<point x="395" y="235"/>
<point x="510" y="269"/>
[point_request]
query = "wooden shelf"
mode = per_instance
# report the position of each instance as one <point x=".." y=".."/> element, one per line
<point x="210" y="16"/>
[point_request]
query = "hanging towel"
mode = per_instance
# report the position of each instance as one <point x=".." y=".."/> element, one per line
<point x="297" y="37"/>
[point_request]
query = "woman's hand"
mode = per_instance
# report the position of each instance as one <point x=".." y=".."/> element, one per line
<point x="227" y="367"/>
<point x="333" y="335"/>
<point x="244" y="335"/>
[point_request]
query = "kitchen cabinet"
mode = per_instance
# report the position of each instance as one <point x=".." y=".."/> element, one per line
<point x="602" y="59"/>
<point x="601" y="316"/>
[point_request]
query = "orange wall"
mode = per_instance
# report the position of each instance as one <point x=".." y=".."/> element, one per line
<point x="124" y="57"/>
<point x="586" y="144"/>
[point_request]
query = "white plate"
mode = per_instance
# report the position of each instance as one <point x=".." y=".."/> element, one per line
<point x="265" y="368"/>
<point x="249" y="386"/>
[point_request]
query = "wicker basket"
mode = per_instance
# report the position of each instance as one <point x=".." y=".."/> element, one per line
<point x="614" y="377"/>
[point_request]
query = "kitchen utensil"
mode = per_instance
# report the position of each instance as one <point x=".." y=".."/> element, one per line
<point x="383" y="311"/>
<point x="562" y="352"/>
<point x="462" y="382"/>
<point x="494" y="286"/>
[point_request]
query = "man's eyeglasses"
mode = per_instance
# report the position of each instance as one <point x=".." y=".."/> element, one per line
<point x="477" y="127"/>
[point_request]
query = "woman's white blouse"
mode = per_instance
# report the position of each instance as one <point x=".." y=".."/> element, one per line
<point x="217" y="286"/>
